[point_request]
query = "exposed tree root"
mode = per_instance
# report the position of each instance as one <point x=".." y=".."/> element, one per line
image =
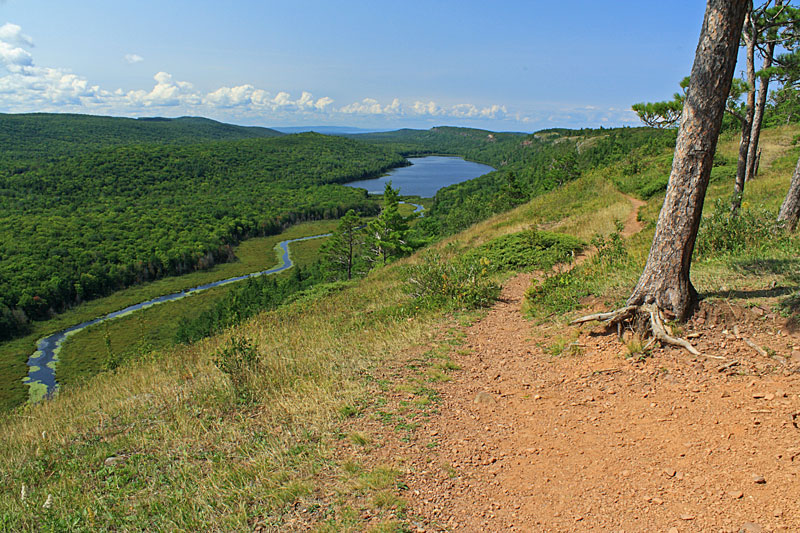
<point x="655" y="323"/>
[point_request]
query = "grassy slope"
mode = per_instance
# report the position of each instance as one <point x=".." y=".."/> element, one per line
<point x="85" y="354"/>
<point x="253" y="255"/>
<point x="192" y="458"/>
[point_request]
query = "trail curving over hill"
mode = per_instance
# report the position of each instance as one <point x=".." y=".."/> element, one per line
<point x="527" y="441"/>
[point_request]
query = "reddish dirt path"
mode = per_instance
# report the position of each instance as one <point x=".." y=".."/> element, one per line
<point x="525" y="441"/>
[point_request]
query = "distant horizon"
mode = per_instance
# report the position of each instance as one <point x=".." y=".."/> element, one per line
<point x="317" y="128"/>
<point x="515" y="66"/>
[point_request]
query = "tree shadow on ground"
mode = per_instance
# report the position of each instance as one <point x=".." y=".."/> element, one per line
<point x="756" y="293"/>
<point x="789" y="267"/>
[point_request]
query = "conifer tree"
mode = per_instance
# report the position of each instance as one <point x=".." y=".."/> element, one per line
<point x="664" y="286"/>
<point x="344" y="248"/>
<point x="387" y="234"/>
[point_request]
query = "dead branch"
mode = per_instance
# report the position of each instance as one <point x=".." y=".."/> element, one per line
<point x="728" y="366"/>
<point x="761" y="351"/>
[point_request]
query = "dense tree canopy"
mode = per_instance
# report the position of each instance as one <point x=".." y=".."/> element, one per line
<point x="87" y="225"/>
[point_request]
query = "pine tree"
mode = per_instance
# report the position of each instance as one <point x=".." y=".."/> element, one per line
<point x="664" y="286"/>
<point x="344" y="248"/>
<point x="387" y="234"/>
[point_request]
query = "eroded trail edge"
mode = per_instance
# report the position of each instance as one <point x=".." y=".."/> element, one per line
<point x="595" y="441"/>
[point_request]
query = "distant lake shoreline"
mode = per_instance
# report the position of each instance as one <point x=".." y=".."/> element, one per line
<point x="425" y="176"/>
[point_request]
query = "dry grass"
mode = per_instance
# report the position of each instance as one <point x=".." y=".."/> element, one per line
<point x="179" y="430"/>
<point x="189" y="455"/>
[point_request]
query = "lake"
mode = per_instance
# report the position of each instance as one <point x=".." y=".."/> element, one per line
<point x="425" y="176"/>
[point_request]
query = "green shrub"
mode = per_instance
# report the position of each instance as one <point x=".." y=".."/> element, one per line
<point x="557" y="294"/>
<point x="526" y="250"/>
<point x="610" y="250"/>
<point x="561" y="293"/>
<point x="748" y="230"/>
<point x="454" y="284"/>
<point x="239" y="361"/>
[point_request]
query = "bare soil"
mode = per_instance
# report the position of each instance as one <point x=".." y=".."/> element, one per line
<point x="597" y="440"/>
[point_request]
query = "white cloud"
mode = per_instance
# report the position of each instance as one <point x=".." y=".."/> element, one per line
<point x="230" y="96"/>
<point x="14" y="58"/>
<point x="133" y="58"/>
<point x="247" y="96"/>
<point x="323" y="103"/>
<point x="430" y="108"/>
<point x="166" y="93"/>
<point x="367" y="106"/>
<point x="25" y="87"/>
<point x="11" y="33"/>
<point x="464" y="111"/>
<point x="13" y="55"/>
<point x="371" y="106"/>
<point x="305" y="101"/>
<point x="395" y="108"/>
<point x="495" y="111"/>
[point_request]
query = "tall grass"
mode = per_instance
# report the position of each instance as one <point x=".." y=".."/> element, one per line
<point x="167" y="442"/>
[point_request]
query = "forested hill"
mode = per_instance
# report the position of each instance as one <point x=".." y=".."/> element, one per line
<point x="484" y="146"/>
<point x="45" y="136"/>
<point x="88" y="225"/>
<point x="527" y="164"/>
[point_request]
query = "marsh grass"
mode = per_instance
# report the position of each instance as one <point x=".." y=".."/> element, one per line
<point x="252" y="255"/>
<point x="84" y="354"/>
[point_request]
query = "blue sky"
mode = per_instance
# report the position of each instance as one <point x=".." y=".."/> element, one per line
<point x="507" y="65"/>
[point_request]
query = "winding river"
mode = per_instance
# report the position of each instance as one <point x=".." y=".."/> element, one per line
<point x="424" y="177"/>
<point x="41" y="378"/>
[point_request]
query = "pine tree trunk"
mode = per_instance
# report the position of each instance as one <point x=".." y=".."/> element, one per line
<point x="665" y="279"/>
<point x="758" y="117"/>
<point x="790" y="209"/>
<point x="749" y="36"/>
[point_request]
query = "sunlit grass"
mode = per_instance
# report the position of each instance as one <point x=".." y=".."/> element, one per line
<point x="252" y="255"/>
<point x="85" y="353"/>
<point x="191" y="455"/>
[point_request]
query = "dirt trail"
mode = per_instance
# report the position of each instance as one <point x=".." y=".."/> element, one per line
<point x="594" y="441"/>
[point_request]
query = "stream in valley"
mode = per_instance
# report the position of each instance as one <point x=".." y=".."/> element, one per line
<point x="424" y="177"/>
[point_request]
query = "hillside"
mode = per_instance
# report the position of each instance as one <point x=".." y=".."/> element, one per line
<point x="359" y="407"/>
<point x="31" y="137"/>
<point x="527" y="165"/>
<point x="84" y="226"/>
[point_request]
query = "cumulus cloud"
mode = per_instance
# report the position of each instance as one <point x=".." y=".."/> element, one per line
<point x="494" y="111"/>
<point x="133" y="58"/>
<point x="14" y="58"/>
<point x="11" y="33"/>
<point x="165" y="93"/>
<point x="367" y="106"/>
<point x="247" y="96"/>
<point x="25" y="86"/>
<point x="13" y="55"/>
<point x="323" y="103"/>
<point x="371" y="106"/>
<point x="230" y="96"/>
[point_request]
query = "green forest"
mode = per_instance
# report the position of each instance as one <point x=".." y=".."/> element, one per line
<point x="86" y="225"/>
<point x="91" y="205"/>
<point x="527" y="165"/>
<point x="28" y="138"/>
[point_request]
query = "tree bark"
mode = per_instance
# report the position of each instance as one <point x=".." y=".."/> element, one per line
<point x="755" y="131"/>
<point x="744" y="144"/>
<point x="665" y="279"/>
<point x="790" y="209"/>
